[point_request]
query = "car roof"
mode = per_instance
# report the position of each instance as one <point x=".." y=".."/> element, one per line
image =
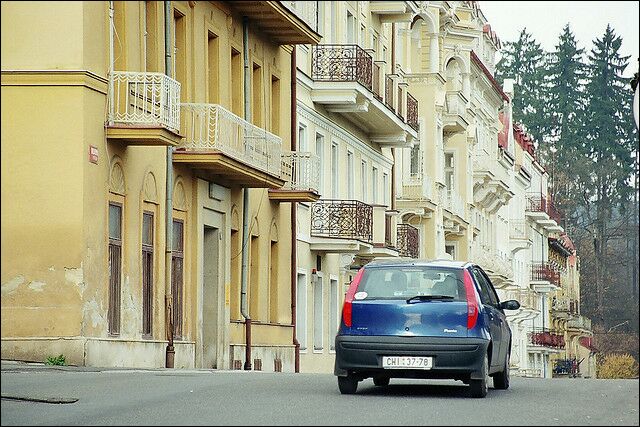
<point x="392" y="262"/>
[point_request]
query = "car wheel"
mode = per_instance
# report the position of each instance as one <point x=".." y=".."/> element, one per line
<point x="347" y="385"/>
<point x="501" y="379"/>
<point x="480" y="388"/>
<point x="381" y="381"/>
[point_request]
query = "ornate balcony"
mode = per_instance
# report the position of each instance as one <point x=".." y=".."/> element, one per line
<point x="393" y="11"/>
<point x="408" y="241"/>
<point x="542" y="337"/>
<point x="455" y="112"/>
<point x="544" y="277"/>
<point x="302" y="172"/>
<point x="496" y="264"/>
<point x="222" y="147"/>
<point x="285" y="22"/>
<point x="579" y="323"/>
<point x="341" y="226"/>
<point x="453" y="203"/>
<point x="519" y="235"/>
<point x="491" y="183"/>
<point x="529" y="304"/>
<point x="144" y="109"/>
<point x="347" y="81"/>
<point x="542" y="211"/>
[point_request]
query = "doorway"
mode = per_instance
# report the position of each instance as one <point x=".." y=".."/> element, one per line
<point x="210" y="292"/>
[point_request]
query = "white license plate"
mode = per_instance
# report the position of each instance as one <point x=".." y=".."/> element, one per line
<point x="406" y="362"/>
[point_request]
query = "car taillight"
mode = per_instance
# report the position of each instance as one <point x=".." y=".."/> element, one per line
<point x="353" y="288"/>
<point x="472" y="301"/>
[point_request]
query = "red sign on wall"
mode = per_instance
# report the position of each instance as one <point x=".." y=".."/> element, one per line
<point x="93" y="154"/>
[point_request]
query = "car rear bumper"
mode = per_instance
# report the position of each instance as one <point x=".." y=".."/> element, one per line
<point x="361" y="356"/>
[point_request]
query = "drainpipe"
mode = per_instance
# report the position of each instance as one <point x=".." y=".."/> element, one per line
<point x="170" y="352"/>
<point x="245" y="206"/>
<point x="393" y="150"/>
<point x="294" y="213"/>
<point x="111" y="63"/>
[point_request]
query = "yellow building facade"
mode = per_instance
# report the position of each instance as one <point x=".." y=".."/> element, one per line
<point x="88" y="116"/>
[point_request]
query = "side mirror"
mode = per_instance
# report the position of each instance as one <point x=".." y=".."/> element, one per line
<point x="510" y="305"/>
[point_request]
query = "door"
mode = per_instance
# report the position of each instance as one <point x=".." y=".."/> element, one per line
<point x="494" y="317"/>
<point x="210" y="292"/>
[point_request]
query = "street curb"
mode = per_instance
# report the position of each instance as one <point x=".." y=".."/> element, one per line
<point x="54" y="400"/>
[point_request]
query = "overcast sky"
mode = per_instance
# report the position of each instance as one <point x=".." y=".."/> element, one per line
<point x="588" y="21"/>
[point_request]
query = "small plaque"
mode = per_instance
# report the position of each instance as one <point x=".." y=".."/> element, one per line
<point x="93" y="154"/>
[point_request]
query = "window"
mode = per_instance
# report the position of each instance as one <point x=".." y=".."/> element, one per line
<point x="177" y="276"/>
<point x="451" y="250"/>
<point x="151" y="36"/>
<point x="115" y="266"/>
<point x="147" y="272"/>
<point x="363" y="36"/>
<point x="333" y="313"/>
<point x="374" y="45"/>
<point x="320" y="154"/>
<point x="449" y="171"/>
<point x="301" y="311"/>
<point x="254" y="280"/>
<point x="350" y="178"/>
<point x="302" y="138"/>
<point x="275" y="105"/>
<point x="374" y="185"/>
<point x="212" y="68"/>
<point x="334" y="170"/>
<point x="385" y="189"/>
<point x="363" y="180"/>
<point x="317" y="314"/>
<point x="180" y="49"/>
<point x="485" y="293"/>
<point x="237" y="99"/>
<point x="257" y="96"/>
<point x="351" y="28"/>
<point x="415" y="161"/>
<point x="273" y="283"/>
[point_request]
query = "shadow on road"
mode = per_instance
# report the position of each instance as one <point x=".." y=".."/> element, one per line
<point x="416" y="390"/>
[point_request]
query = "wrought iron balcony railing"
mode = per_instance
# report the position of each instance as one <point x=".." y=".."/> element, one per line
<point x="538" y="202"/>
<point x="302" y="171"/>
<point x="543" y="271"/>
<point x="144" y="99"/>
<point x="351" y="63"/>
<point x="408" y="241"/>
<point x="346" y="219"/>
<point x="546" y="338"/>
<point x="210" y="127"/>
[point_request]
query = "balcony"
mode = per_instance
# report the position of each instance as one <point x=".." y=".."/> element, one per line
<point x="496" y="264"/>
<point x="284" y="22"/>
<point x="220" y="146"/>
<point x="341" y="226"/>
<point x="393" y="11"/>
<point x="579" y="323"/>
<point x="541" y="210"/>
<point x="563" y="307"/>
<point x="542" y="337"/>
<point x="302" y="172"/>
<point x="408" y="241"/>
<point x="384" y="234"/>
<point x="544" y="277"/>
<point x="144" y="109"/>
<point x="491" y="183"/>
<point x="453" y="203"/>
<point x="519" y="235"/>
<point x="455" y="113"/>
<point x="347" y="81"/>
<point x="529" y="304"/>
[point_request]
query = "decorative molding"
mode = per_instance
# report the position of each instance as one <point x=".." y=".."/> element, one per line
<point x="179" y="196"/>
<point x="149" y="188"/>
<point x="83" y="78"/>
<point x="116" y="177"/>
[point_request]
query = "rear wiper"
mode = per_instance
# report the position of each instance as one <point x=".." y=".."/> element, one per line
<point x="428" y="298"/>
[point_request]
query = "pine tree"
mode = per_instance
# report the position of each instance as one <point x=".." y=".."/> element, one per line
<point x="609" y="141"/>
<point x="525" y="62"/>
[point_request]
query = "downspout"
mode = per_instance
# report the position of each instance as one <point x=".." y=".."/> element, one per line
<point x="111" y="63"/>
<point x="170" y="352"/>
<point x="245" y="205"/>
<point x="393" y="150"/>
<point x="294" y="213"/>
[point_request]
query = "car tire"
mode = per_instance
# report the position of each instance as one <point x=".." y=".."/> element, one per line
<point x="501" y="379"/>
<point x="480" y="388"/>
<point x="347" y="385"/>
<point x="381" y="381"/>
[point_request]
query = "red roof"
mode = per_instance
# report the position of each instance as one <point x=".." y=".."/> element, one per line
<point x="487" y="73"/>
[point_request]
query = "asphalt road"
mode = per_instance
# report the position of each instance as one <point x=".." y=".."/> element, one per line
<point x="202" y="397"/>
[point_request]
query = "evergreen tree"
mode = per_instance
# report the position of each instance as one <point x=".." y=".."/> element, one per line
<point x="609" y="140"/>
<point x="525" y="62"/>
<point x="566" y="75"/>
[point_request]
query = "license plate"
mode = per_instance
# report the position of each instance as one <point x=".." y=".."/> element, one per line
<point x="406" y="362"/>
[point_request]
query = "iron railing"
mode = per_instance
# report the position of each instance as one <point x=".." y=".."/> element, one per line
<point x="388" y="240"/>
<point x="376" y="82"/>
<point x="342" y="63"/>
<point x="546" y="338"/>
<point x="538" y="202"/>
<point x="412" y="112"/>
<point x="144" y="99"/>
<point x="347" y="219"/>
<point x="210" y="127"/>
<point x="543" y="271"/>
<point x="301" y="171"/>
<point x="400" y="110"/>
<point x="408" y="241"/>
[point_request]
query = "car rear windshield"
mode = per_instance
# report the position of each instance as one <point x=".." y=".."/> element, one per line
<point x="395" y="282"/>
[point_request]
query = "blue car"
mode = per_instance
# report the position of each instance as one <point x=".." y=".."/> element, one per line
<point x="423" y="319"/>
